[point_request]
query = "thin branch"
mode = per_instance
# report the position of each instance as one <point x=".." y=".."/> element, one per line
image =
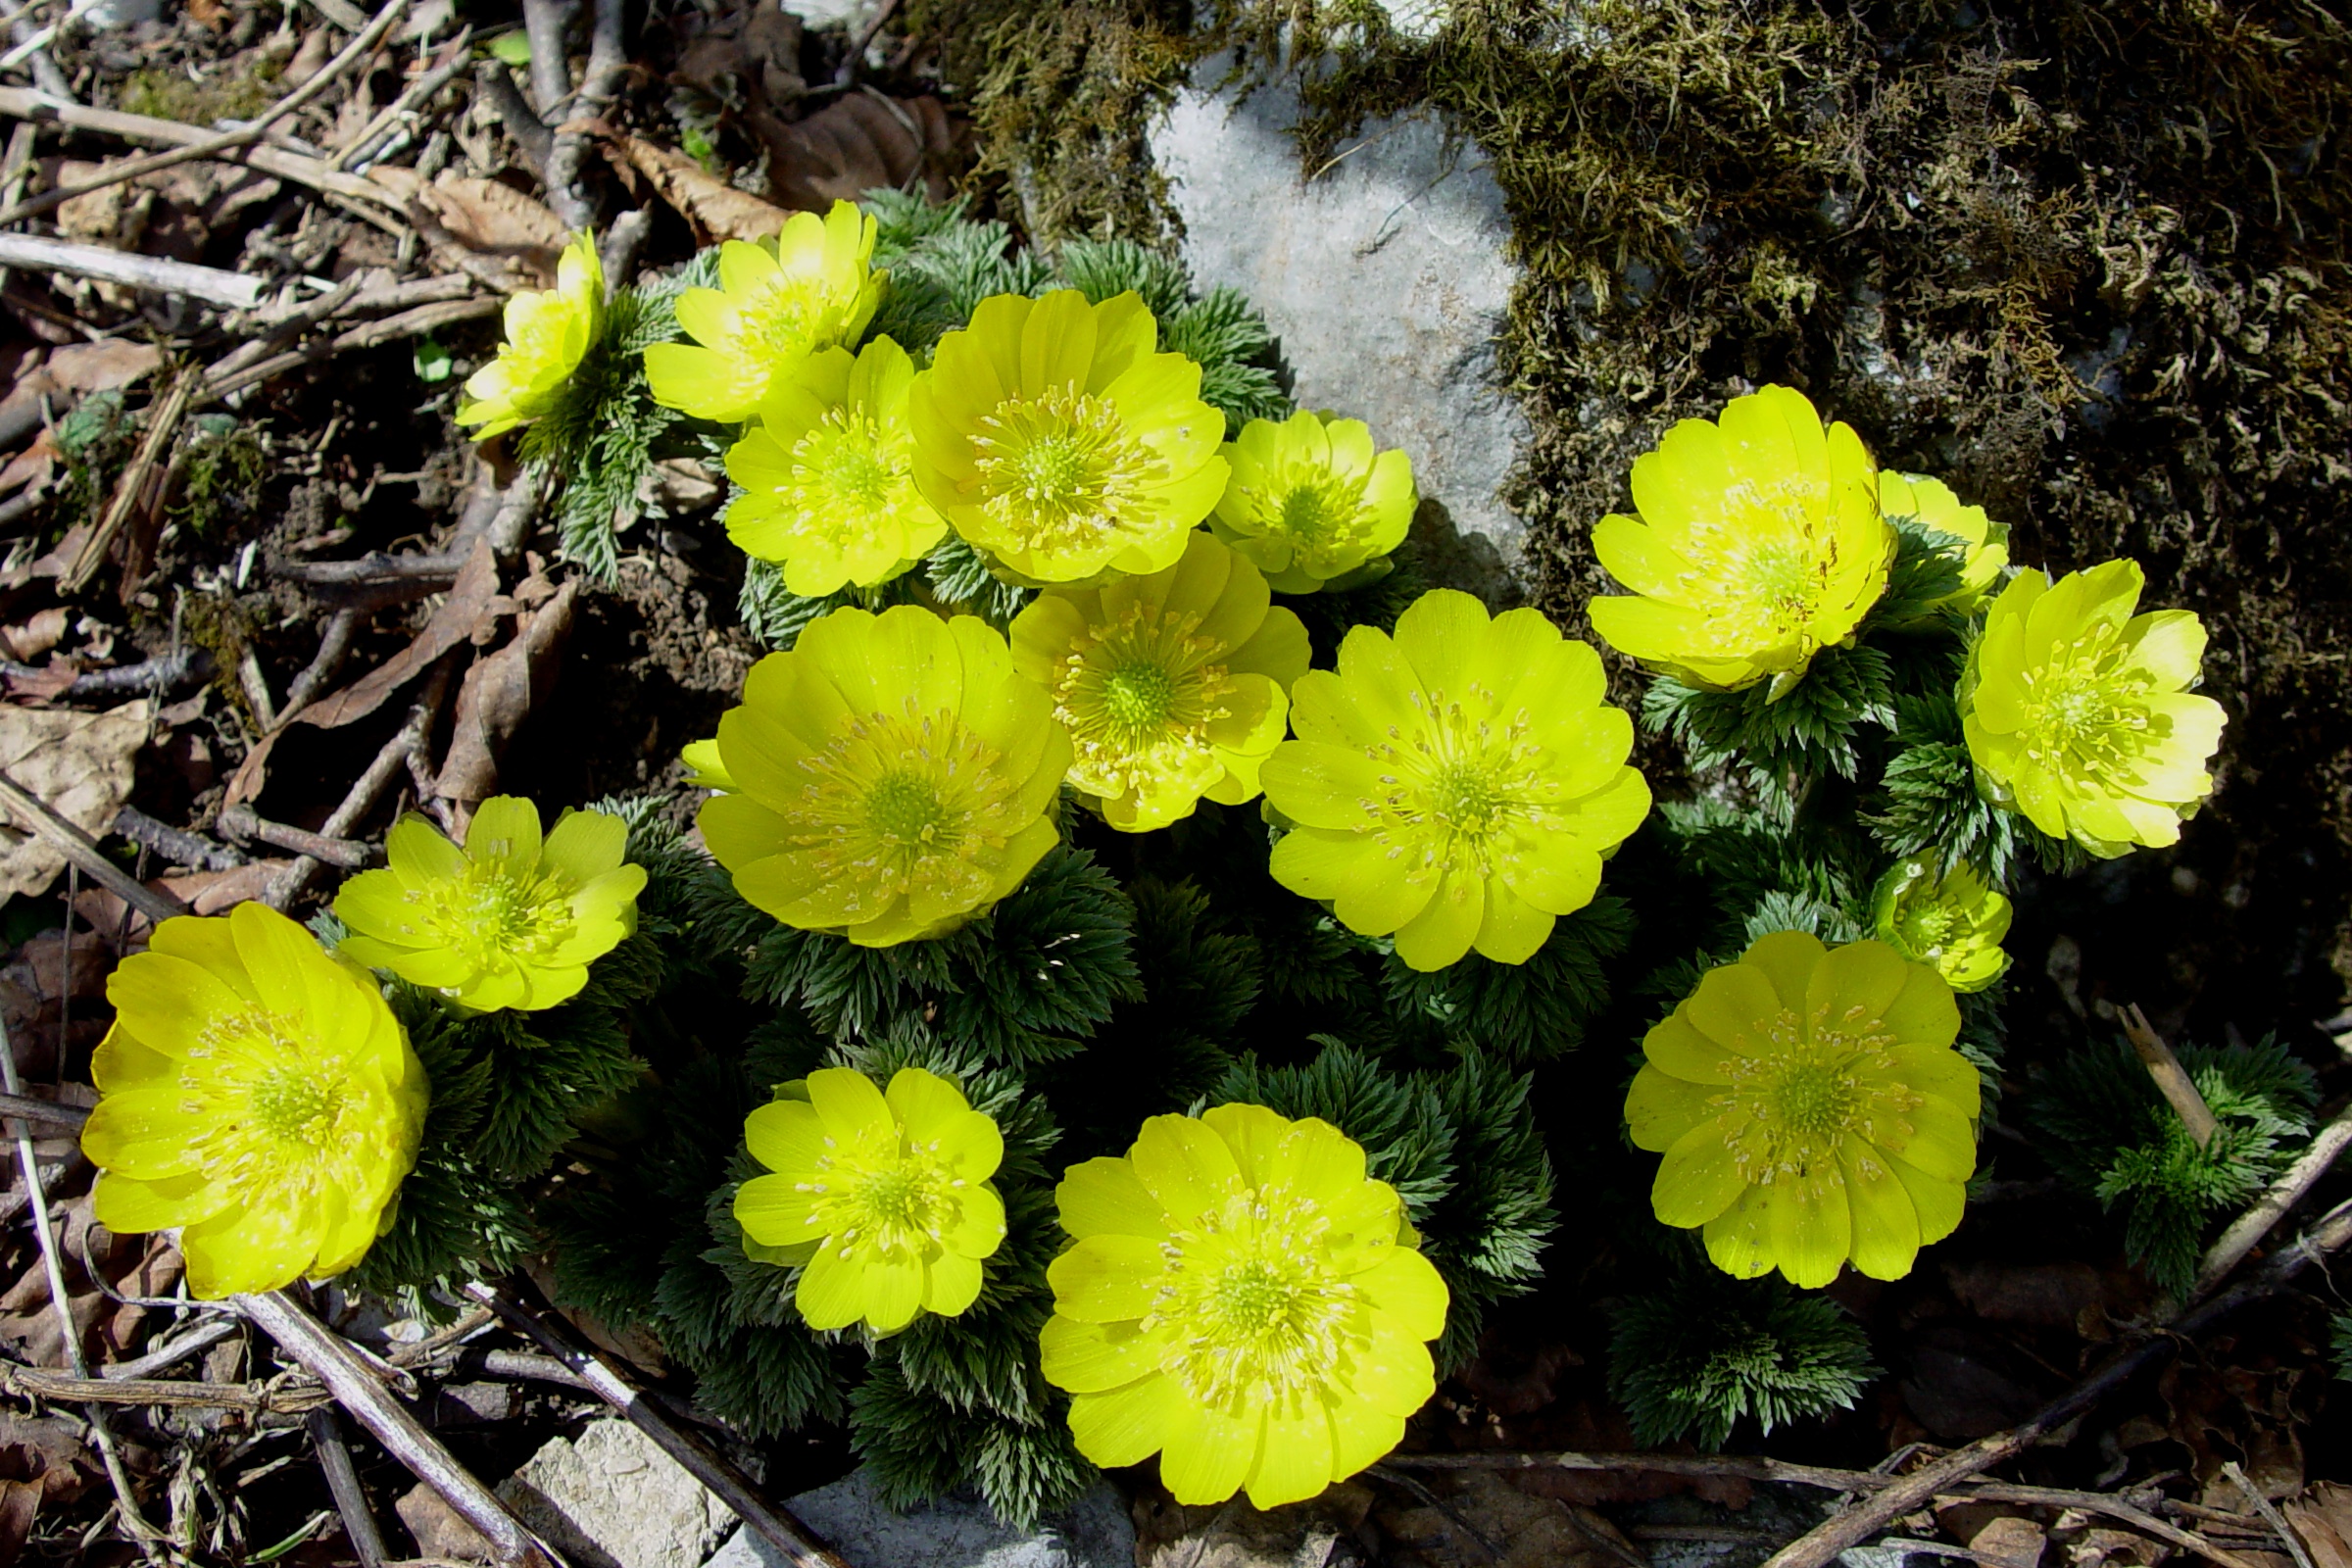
<point x="203" y="1337"/>
<point x="32" y="1383"/>
<point x="348" y="1377"/>
<point x="2270" y="1515"/>
<point x="179" y="847"/>
<point x="154" y="678"/>
<point x="37" y="816"/>
<point x="546" y="21"/>
<point x="154" y="273"/>
<point x="24" y="1108"/>
<point x="2246" y="1232"/>
<point x="244" y="822"/>
<point x="212" y="146"/>
<point x="2172" y="1079"/>
<point x="776" y="1526"/>
<point x="369" y="788"/>
<point x="343" y="1482"/>
<point x="417" y="92"/>
<point x="528" y="132"/>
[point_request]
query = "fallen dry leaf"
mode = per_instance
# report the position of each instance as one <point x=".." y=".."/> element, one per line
<point x="716" y="210"/>
<point x="81" y="764"/>
<point x="2322" y="1519"/>
<point x="38" y="633"/>
<point x="499" y="694"/>
<point x="491" y="231"/>
<point x="865" y="142"/>
<point x="34" y="466"/>
<point x="203" y="892"/>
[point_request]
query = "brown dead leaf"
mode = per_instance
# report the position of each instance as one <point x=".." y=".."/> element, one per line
<point x="41" y="1462"/>
<point x="39" y="987"/>
<point x="34" y="466"/>
<point x="100" y="366"/>
<point x="491" y="231"/>
<point x="863" y="142"/>
<point x="716" y="210"/>
<point x="499" y="694"/>
<point x="38" y="633"/>
<point x="203" y="892"/>
<point x="460" y="615"/>
<point x="2322" y="1519"/>
<point x="81" y="764"/>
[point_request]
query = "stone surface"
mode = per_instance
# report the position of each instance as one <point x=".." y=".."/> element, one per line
<point x="1329" y="1531"/>
<point x="959" y="1533"/>
<point x="1384" y="280"/>
<point x="438" y="1531"/>
<point x="609" y="1498"/>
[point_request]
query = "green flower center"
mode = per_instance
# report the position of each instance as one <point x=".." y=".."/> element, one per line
<point x="1138" y="695"/>
<point x="1463" y="795"/>
<point x="2086" y="712"/>
<point x="1788" y="1109"/>
<point x="875" y="1194"/>
<point x="1460" y="788"/>
<point x="1250" y="1310"/>
<point x="1062" y="469"/>
<point x="1815" y="1099"/>
<point x="904" y="803"/>
<point x="273" y="1105"/>
<point x="490" y="916"/>
<point x="844" y="454"/>
<point x="1927" y="928"/>
<point x="294" y="1105"/>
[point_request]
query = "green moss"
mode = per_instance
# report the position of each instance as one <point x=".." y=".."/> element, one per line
<point x="168" y="94"/>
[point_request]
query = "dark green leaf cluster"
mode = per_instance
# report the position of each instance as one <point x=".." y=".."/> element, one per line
<point x="1780" y="739"/>
<point x="1220" y="330"/>
<point x="2107" y="1129"/>
<point x="1521" y="1013"/>
<point x="1697" y="1358"/>
<point x="942" y="264"/>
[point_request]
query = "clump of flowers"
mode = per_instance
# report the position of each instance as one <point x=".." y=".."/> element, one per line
<point x="1242" y="1300"/>
<point x="883" y="1199"/>
<point x="777" y="302"/>
<point x="1932" y="504"/>
<point x="1311" y="503"/>
<point x="1057" y="440"/>
<point x="547" y="335"/>
<point x="1172" y="686"/>
<point x="257" y="1093"/>
<point x="1811" y="1110"/>
<point x="1457" y="784"/>
<point x="827" y="478"/>
<point x="1954" y="922"/>
<point x="2077" y="712"/>
<point x="1759" y="544"/>
<point x="506" y="918"/>
<point x="894" y="776"/>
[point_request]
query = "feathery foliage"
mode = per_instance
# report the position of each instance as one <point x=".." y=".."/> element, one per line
<point x="1697" y="1358"/>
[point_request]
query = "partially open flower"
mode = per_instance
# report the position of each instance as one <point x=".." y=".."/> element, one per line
<point x="829" y="487"/>
<point x="1759" y="544"/>
<point x="1244" y="1302"/>
<point x="884" y="1200"/>
<point x="1811" y="1110"/>
<point x="1933" y="505"/>
<point x="1312" y="505"/>
<point x="1172" y="686"/>
<point x="895" y="776"/>
<point x="547" y="335"/>
<point x="1457" y="784"/>
<point x="1056" y="439"/>
<point x="777" y="302"/>
<point x="1954" y="921"/>
<point x="2079" y="714"/>
<point x="506" y="919"/>
<point x="259" y="1095"/>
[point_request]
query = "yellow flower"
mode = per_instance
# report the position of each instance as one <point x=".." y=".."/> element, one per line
<point x="884" y="1200"/>
<point x="1759" y="544"/>
<point x="1457" y="785"/>
<point x="1811" y="1110"/>
<point x="777" y="302"/>
<point x="2077" y="712"/>
<point x="505" y="921"/>
<point x="259" y="1095"/>
<point x="828" y="489"/>
<point x="1056" y="439"/>
<point x="896" y="776"/>
<point x="1311" y="504"/>
<point x="547" y="335"/>
<point x="1172" y="686"/>
<point x="1954" y="922"/>
<point x="1932" y="503"/>
<point x="1241" y="1301"/>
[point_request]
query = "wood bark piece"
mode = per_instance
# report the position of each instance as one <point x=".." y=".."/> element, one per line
<point x="237" y="291"/>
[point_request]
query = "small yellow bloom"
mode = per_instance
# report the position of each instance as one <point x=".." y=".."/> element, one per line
<point x="2078" y="712"/>
<point x="547" y="335"/>
<point x="1055" y="438"/>
<point x="1932" y="503"/>
<point x="828" y="474"/>
<point x="1954" y="922"/>
<point x="1312" y="505"/>
<point x="507" y="920"/>
<point x="1172" y="686"/>
<point x="259" y="1095"/>
<point x="1759" y="544"/>
<point x="1457" y="785"/>
<point x="1244" y="1302"/>
<point x="1811" y="1110"/>
<point x="884" y="1200"/>
<point x="777" y="302"/>
<point x="895" y="776"/>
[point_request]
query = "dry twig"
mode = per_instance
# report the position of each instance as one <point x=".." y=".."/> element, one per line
<point x="35" y="815"/>
<point x="2172" y="1079"/>
<point x="2246" y="1232"/>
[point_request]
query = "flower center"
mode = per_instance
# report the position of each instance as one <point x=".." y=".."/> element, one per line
<point x="911" y="803"/>
<point x="841" y="453"/>
<point x="1062" y="469"/>
<point x="1253" y="1309"/>
<point x="1138" y="695"/>
<point x="1814" y="1098"/>
<point x="1460" y="790"/>
<point x="2086" y="711"/>
<point x="1927" y="928"/>
<point x="1788" y="1111"/>
<point x="490" y="916"/>
<point x="293" y="1104"/>
<point x="274" y="1105"/>
<point x="876" y="1193"/>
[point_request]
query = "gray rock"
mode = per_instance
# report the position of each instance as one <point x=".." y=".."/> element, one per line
<point x="851" y="14"/>
<point x="611" y="1500"/>
<point x="961" y="1532"/>
<point x="1384" y="277"/>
